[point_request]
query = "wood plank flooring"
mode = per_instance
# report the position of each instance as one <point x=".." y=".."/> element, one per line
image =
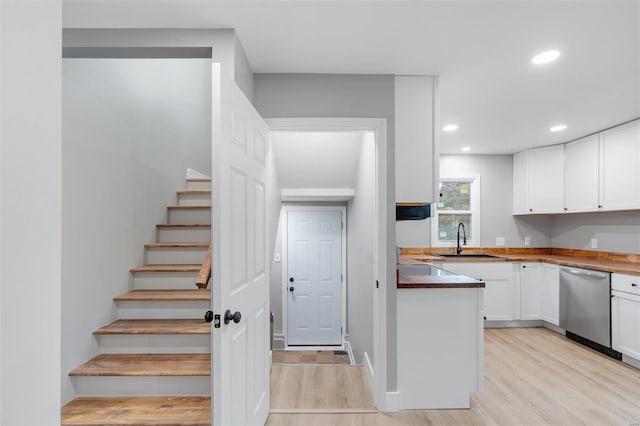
<point x="533" y="376"/>
<point x="176" y="411"/>
<point x="322" y="387"/>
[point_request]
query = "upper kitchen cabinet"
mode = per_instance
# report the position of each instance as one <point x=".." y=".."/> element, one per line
<point x="416" y="154"/>
<point x="538" y="180"/>
<point x="547" y="179"/>
<point x="581" y="175"/>
<point x="620" y="167"/>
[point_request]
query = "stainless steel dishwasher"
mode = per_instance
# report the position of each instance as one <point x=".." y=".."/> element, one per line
<point x="585" y="307"/>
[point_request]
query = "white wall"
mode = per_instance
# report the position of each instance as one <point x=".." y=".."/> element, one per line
<point x="131" y="128"/>
<point x="360" y="244"/>
<point x="615" y="231"/>
<point x="30" y="212"/>
<point x="353" y="96"/>
<point x="496" y="218"/>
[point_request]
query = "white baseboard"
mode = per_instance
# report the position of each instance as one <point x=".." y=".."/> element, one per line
<point x="369" y="369"/>
<point x="393" y="401"/>
<point x="631" y="361"/>
<point x="347" y="347"/>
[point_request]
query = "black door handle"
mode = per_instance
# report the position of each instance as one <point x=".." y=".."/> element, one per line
<point x="291" y="280"/>
<point x="208" y="316"/>
<point x="235" y="317"/>
<point x="291" y="288"/>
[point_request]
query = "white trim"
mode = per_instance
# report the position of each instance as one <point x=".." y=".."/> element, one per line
<point x="393" y="401"/>
<point x="368" y="367"/>
<point x="384" y="253"/>
<point x="194" y="174"/>
<point x="285" y="267"/>
<point x="317" y="194"/>
<point x="475" y="211"/>
<point x="347" y="347"/>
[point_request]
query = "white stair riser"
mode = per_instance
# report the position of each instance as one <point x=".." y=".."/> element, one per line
<point x="194" y="199"/>
<point x="198" y="216"/>
<point x="142" y="386"/>
<point x="198" y="185"/>
<point x="175" y="255"/>
<point x="163" y="309"/>
<point x="154" y="343"/>
<point x="184" y="235"/>
<point x="164" y="280"/>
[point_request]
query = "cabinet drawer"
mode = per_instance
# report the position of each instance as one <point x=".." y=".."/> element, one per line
<point x="626" y="283"/>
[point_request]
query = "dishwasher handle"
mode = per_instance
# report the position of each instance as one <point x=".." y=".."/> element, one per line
<point x="585" y="273"/>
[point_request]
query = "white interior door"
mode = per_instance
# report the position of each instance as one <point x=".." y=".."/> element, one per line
<point x="240" y="361"/>
<point x="314" y="291"/>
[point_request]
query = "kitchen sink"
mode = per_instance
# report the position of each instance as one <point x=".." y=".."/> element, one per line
<point x="469" y="256"/>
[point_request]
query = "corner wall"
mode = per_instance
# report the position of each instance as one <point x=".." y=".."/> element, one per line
<point x="615" y="231"/>
<point x="30" y="212"/>
<point x="131" y="128"/>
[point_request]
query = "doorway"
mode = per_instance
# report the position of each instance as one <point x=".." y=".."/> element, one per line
<point x="314" y="258"/>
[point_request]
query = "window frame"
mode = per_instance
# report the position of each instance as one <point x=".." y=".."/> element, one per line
<point x="474" y="187"/>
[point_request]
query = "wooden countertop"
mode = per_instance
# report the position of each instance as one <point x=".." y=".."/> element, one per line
<point x="624" y="263"/>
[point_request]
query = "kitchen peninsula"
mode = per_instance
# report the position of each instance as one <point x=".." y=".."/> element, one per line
<point x="440" y="337"/>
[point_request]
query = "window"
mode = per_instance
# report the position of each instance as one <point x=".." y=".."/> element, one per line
<point x="459" y="202"/>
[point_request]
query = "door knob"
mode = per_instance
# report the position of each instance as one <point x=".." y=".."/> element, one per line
<point x="291" y="280"/>
<point x="291" y="288"/>
<point x="208" y="317"/>
<point x="235" y="317"/>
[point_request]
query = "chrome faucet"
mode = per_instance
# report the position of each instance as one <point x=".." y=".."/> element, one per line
<point x="464" y="236"/>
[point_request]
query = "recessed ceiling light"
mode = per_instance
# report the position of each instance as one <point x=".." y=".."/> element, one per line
<point x="545" y="57"/>
<point x="558" y="128"/>
<point x="450" y="128"/>
<point x="466" y="149"/>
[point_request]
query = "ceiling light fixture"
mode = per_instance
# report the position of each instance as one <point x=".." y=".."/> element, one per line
<point x="465" y="149"/>
<point x="558" y="128"/>
<point x="545" y="57"/>
<point x="450" y="128"/>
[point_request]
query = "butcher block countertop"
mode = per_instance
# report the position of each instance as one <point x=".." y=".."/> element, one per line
<point x="625" y="263"/>
<point x="409" y="275"/>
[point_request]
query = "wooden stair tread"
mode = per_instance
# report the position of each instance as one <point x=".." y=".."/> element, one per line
<point x="194" y="191"/>
<point x="173" y="295"/>
<point x="187" y="207"/>
<point x="156" y="326"/>
<point x="183" y="225"/>
<point x="138" y="411"/>
<point x="168" y="268"/>
<point x="198" y="179"/>
<point x="146" y="365"/>
<point x="177" y="245"/>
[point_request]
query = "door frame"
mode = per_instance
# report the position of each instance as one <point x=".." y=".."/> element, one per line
<point x="285" y="271"/>
<point x="384" y="253"/>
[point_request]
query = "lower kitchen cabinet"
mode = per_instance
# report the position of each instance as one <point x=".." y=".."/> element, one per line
<point x="550" y="301"/>
<point x="625" y="323"/>
<point x="499" y="291"/>
<point x="530" y="291"/>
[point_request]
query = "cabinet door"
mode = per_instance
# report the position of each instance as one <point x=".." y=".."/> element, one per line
<point x="550" y="306"/>
<point x="520" y="181"/>
<point x="620" y="167"/>
<point x="530" y="291"/>
<point x="581" y="175"/>
<point x="625" y="323"/>
<point x="546" y="179"/>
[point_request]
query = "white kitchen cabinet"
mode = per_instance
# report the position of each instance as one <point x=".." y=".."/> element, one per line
<point x="620" y="167"/>
<point x="581" y="175"/>
<point x="530" y="291"/>
<point x="625" y="323"/>
<point x="520" y="183"/>
<point x="546" y="179"/>
<point x="550" y="301"/>
<point x="499" y="292"/>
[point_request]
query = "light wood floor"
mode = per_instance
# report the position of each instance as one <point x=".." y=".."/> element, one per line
<point x="310" y="357"/>
<point x="533" y="376"/>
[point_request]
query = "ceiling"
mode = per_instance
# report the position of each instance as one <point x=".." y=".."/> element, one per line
<point x="316" y="159"/>
<point x="480" y="50"/>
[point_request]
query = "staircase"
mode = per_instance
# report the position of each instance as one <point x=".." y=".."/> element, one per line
<point x="154" y="366"/>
